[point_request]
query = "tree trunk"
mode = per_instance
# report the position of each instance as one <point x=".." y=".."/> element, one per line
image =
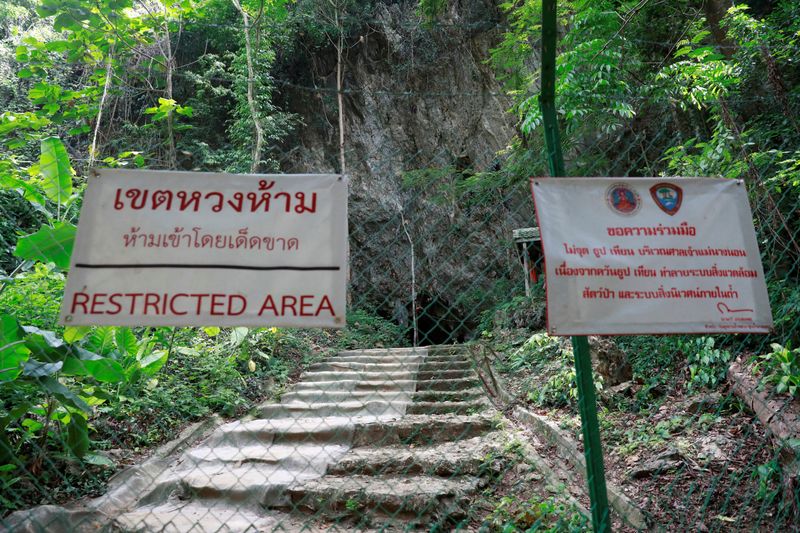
<point x="172" y="158"/>
<point x="251" y="98"/>
<point x="339" y="96"/>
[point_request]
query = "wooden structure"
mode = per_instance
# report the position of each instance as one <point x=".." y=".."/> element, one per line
<point x="529" y="249"/>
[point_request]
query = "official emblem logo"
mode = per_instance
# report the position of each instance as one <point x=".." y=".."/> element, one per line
<point x="622" y="199"/>
<point x="668" y="197"/>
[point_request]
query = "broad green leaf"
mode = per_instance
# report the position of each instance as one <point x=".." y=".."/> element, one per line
<point x="78" y="436"/>
<point x="126" y="341"/>
<point x="45" y="345"/>
<point x="211" y="331"/>
<point x="38" y="369"/>
<point x="21" y="53"/>
<point x="57" y="46"/>
<point x="28" y="191"/>
<point x="153" y="362"/>
<point x="32" y="426"/>
<point x="10" y="363"/>
<point x="12" y="348"/>
<point x="238" y="336"/>
<point x="15" y="412"/>
<point x="56" y="170"/>
<point x="24" y="72"/>
<point x="65" y="21"/>
<point x="76" y="333"/>
<point x="90" y="364"/>
<point x="62" y="393"/>
<point x="48" y="245"/>
<point x="72" y="360"/>
<point x="101" y="340"/>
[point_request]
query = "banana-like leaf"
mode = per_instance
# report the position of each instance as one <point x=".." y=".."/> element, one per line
<point x="78" y="435"/>
<point x="38" y="369"/>
<point x="12" y="349"/>
<point x="62" y="393"/>
<point x="56" y="170"/>
<point x="49" y="244"/>
<point x="126" y="341"/>
<point x="153" y="362"/>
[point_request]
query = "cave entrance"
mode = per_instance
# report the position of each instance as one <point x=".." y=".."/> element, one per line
<point x="439" y="323"/>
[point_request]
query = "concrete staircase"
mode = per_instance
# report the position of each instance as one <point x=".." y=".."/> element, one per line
<point x="372" y="439"/>
<point x="416" y="471"/>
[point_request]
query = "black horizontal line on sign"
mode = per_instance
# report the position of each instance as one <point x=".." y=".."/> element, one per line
<point x="223" y="267"/>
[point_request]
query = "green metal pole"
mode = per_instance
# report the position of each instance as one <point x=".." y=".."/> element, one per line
<point x="595" y="471"/>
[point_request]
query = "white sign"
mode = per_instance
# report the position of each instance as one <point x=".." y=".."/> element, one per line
<point x="190" y="249"/>
<point x="650" y="255"/>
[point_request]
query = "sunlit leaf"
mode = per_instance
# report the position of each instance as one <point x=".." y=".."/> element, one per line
<point x="56" y="170"/>
<point x="49" y="244"/>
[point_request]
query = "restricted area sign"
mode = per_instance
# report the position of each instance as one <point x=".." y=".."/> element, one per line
<point x="650" y="255"/>
<point x="195" y="249"/>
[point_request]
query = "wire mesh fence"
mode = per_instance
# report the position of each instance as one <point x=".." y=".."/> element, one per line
<point x="442" y="405"/>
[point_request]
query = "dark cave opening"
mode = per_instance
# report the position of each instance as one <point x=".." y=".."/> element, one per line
<point x="438" y="322"/>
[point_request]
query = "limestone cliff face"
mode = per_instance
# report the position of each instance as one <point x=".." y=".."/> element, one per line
<point x="417" y="98"/>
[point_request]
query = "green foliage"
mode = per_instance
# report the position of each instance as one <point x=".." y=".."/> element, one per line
<point x="781" y="367"/>
<point x="18" y="217"/>
<point x="34" y="296"/>
<point x="40" y="363"/>
<point x="561" y="388"/>
<point x="549" y="515"/>
<point x="592" y="96"/>
<point x="652" y="357"/>
<point x="707" y="365"/>
<point x="518" y="312"/>
<point x="56" y="171"/>
<point x="49" y="245"/>
<point x="367" y="330"/>
<point x="538" y="348"/>
<point x="769" y="475"/>
<point x="430" y="10"/>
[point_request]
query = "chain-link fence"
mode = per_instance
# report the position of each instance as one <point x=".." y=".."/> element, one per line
<point x="442" y="405"/>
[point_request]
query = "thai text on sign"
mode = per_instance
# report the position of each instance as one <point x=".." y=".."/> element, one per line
<point x="190" y="249"/>
<point x="650" y="255"/>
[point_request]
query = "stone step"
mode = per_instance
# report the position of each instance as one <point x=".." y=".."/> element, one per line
<point x="444" y="358"/>
<point x="350" y="407"/>
<point x="357" y="385"/>
<point x="425" y="375"/>
<point x="438" y="408"/>
<point x="445" y="365"/>
<point x="456" y="384"/>
<point x="295" y="456"/>
<point x="414" y="498"/>
<point x="363" y="429"/>
<point x="385" y="352"/>
<point x="361" y="375"/>
<point x="457" y="458"/>
<point x="448" y="396"/>
<point x="246" y="485"/>
<point x="333" y="365"/>
<point x="454" y="349"/>
<point x="329" y="396"/>
<point x="202" y="517"/>
<point x="325" y="430"/>
<point x="423" y="429"/>
<point x="375" y="359"/>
